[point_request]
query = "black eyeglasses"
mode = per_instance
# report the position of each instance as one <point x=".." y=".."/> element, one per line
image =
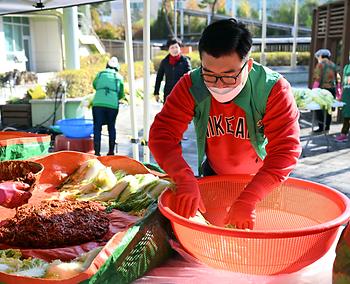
<point x="228" y="80"/>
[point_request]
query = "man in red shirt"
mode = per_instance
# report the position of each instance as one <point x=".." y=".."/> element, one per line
<point x="246" y="122"/>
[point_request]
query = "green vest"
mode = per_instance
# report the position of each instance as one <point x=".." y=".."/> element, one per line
<point x="346" y="91"/>
<point x="109" y="87"/>
<point x="252" y="99"/>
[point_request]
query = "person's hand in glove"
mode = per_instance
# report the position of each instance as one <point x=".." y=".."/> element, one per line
<point x="188" y="200"/>
<point x="315" y="85"/>
<point x="242" y="212"/>
<point x="13" y="194"/>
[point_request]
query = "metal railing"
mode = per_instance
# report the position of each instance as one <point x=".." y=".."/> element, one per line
<point x="118" y="48"/>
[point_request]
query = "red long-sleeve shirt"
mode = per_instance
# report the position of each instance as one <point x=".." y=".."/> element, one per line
<point x="228" y="147"/>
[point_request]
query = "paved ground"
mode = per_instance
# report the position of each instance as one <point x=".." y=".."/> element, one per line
<point x="331" y="168"/>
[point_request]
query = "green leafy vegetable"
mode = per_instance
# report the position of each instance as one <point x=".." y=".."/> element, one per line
<point x="11" y="262"/>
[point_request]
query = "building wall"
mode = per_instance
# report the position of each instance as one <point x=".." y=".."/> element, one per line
<point x="136" y="5"/>
<point x="46" y="42"/>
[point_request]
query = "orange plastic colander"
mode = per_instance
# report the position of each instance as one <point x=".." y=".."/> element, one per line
<point x="296" y="224"/>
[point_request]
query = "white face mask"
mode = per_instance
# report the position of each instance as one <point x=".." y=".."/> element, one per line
<point x="224" y="95"/>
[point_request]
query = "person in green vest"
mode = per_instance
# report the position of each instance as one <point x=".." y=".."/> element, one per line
<point x="343" y="137"/>
<point x="246" y="122"/>
<point x="109" y="86"/>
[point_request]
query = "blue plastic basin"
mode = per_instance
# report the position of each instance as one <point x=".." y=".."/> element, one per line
<point x="76" y="127"/>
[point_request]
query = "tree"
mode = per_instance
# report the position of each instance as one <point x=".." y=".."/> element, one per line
<point x="105" y="30"/>
<point x="244" y="10"/>
<point x="284" y="13"/>
<point x="166" y="5"/>
<point x="159" y="28"/>
<point x="306" y="12"/>
<point x="212" y="6"/>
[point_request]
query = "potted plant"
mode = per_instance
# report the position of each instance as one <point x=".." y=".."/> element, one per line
<point x="65" y="98"/>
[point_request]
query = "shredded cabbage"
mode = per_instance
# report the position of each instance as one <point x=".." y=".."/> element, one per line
<point x="11" y="262"/>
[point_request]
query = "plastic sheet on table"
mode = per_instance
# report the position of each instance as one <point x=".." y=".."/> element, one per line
<point x="184" y="268"/>
<point x="143" y="243"/>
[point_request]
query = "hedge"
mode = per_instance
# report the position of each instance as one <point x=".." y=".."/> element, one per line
<point x="79" y="82"/>
<point x="272" y="58"/>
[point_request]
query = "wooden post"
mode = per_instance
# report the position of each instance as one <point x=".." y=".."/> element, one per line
<point x="328" y="20"/>
<point x="313" y="45"/>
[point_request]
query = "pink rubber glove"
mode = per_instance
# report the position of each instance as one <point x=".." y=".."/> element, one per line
<point x="188" y="200"/>
<point x="242" y="212"/>
<point x="315" y="85"/>
<point x="12" y="194"/>
<point x="338" y="93"/>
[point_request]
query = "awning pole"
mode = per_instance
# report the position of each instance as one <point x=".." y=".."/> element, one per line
<point x="293" y="59"/>
<point x="146" y="78"/>
<point x="263" y="34"/>
<point x="131" y="79"/>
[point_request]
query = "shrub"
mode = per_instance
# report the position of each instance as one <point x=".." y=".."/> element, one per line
<point x="79" y="83"/>
<point x="96" y="61"/>
<point x="158" y="58"/>
<point x="282" y="58"/>
<point x="109" y="31"/>
<point x="272" y="58"/>
<point x="138" y="69"/>
<point x="195" y="60"/>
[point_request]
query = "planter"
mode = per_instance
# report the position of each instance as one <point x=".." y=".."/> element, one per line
<point x="45" y="112"/>
<point x="16" y="115"/>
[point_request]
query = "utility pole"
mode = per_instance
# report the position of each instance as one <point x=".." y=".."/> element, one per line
<point x="233" y="8"/>
<point x="293" y="59"/>
<point x="146" y="78"/>
<point x="263" y="34"/>
<point x="131" y="79"/>
<point x="175" y="18"/>
<point x="181" y="19"/>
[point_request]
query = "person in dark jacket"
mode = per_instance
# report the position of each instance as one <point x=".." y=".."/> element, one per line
<point x="173" y="66"/>
<point x="109" y="86"/>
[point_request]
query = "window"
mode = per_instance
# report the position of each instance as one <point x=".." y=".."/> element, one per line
<point x="14" y="29"/>
<point x="18" y="38"/>
<point x="16" y="20"/>
<point x="25" y="21"/>
<point x="25" y="30"/>
<point x="7" y="19"/>
<point x="8" y="37"/>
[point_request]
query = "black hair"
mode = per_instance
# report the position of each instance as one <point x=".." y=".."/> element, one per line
<point x="325" y="56"/>
<point x="225" y="37"/>
<point x="172" y="41"/>
<point x="109" y="67"/>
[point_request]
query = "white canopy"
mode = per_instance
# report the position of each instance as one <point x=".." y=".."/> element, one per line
<point x="21" y="6"/>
